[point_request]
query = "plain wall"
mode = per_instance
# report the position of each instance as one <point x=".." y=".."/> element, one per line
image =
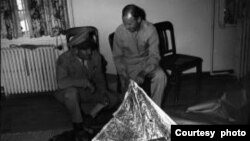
<point x="191" y="20"/>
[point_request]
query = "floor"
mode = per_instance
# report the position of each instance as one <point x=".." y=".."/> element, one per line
<point x="31" y="112"/>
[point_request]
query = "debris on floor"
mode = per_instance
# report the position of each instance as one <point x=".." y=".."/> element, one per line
<point x="229" y="106"/>
<point x="138" y="118"/>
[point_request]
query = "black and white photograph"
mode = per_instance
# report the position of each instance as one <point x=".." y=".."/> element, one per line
<point x="124" y="70"/>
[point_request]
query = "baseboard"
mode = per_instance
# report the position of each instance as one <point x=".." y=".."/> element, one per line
<point x="209" y="74"/>
<point x="230" y="71"/>
<point x="31" y="94"/>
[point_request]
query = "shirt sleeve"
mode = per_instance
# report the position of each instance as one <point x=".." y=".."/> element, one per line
<point x="154" y="56"/>
<point x="99" y="74"/>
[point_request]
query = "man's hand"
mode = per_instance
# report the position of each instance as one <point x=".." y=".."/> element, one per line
<point x="150" y="68"/>
<point x="139" y="80"/>
<point x="122" y="70"/>
<point x="90" y="87"/>
<point x="140" y="77"/>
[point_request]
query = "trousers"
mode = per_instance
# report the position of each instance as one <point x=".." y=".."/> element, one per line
<point x="77" y="100"/>
<point x="158" y="82"/>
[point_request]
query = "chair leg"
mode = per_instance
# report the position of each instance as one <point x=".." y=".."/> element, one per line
<point x="198" y="79"/>
<point x="177" y="87"/>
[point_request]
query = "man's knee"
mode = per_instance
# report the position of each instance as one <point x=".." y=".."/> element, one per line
<point x="159" y="75"/>
<point x="71" y="94"/>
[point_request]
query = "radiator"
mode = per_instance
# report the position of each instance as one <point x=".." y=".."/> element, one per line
<point x="28" y="70"/>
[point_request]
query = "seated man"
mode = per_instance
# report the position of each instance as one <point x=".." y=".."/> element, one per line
<point x="136" y="52"/>
<point x="81" y="79"/>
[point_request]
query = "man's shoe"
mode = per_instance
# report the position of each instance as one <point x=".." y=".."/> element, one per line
<point x="88" y="120"/>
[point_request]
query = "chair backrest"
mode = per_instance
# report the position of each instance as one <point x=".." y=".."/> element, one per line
<point x="166" y="38"/>
<point x="111" y="39"/>
<point x="90" y="30"/>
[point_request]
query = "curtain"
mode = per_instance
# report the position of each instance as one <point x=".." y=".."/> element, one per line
<point x="46" y="15"/>
<point x="42" y="17"/>
<point x="10" y="25"/>
<point x="243" y="61"/>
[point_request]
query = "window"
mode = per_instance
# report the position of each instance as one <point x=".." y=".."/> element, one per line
<point x="32" y="18"/>
<point x="21" y="10"/>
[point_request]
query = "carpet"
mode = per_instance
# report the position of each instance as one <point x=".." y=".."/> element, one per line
<point x="32" y="135"/>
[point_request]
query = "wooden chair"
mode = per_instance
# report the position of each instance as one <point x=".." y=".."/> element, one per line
<point x="111" y="38"/>
<point x="173" y="61"/>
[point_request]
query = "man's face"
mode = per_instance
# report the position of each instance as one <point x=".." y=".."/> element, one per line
<point x="130" y="23"/>
<point x="85" y="54"/>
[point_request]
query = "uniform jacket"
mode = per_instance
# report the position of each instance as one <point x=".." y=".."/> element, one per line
<point x="71" y="72"/>
<point x="134" y="52"/>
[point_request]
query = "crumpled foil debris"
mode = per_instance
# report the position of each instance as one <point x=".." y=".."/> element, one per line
<point x="137" y="119"/>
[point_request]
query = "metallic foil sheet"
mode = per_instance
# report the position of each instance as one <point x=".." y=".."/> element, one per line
<point x="137" y="119"/>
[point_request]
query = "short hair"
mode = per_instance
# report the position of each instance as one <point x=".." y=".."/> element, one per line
<point x="134" y="10"/>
